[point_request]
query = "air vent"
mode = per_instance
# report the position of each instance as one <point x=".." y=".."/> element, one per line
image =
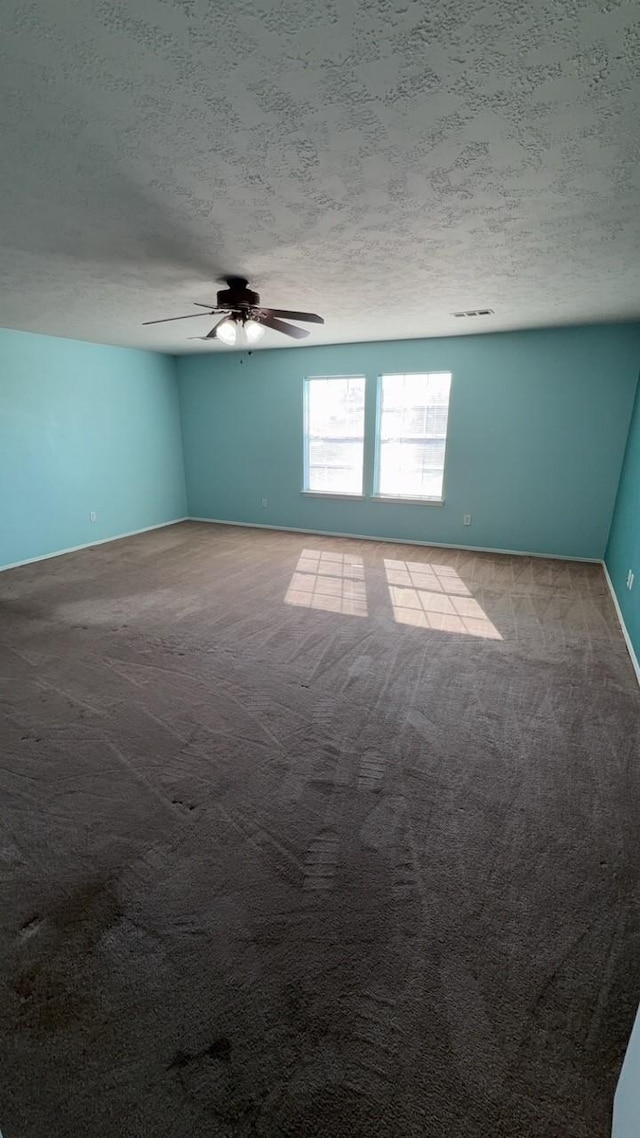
<point x="475" y="312"/>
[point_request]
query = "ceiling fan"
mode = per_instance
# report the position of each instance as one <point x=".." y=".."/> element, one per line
<point x="244" y="313"/>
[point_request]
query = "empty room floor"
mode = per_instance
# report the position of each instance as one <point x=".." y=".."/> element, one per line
<point x="314" y="836"/>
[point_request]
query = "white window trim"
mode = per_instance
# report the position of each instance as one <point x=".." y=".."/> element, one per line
<point x="411" y="500"/>
<point x="332" y="494"/>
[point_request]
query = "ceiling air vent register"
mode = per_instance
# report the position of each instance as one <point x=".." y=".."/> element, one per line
<point x="475" y="312"/>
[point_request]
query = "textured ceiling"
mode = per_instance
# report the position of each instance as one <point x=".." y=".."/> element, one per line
<point x="382" y="162"/>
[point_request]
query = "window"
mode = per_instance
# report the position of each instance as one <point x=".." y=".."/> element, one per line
<point x="412" y="435"/>
<point x="334" y="434"/>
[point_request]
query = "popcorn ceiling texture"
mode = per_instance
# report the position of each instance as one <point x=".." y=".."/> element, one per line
<point x="384" y="163"/>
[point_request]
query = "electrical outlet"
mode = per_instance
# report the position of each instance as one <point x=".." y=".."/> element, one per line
<point x="264" y="503"/>
<point x="466" y="520"/>
<point x="93" y="517"/>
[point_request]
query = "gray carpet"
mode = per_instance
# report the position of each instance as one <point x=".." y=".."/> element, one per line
<point x="307" y="836"/>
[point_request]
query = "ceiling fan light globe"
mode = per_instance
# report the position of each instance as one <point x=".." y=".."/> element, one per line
<point x="227" y="332"/>
<point x="253" y="331"/>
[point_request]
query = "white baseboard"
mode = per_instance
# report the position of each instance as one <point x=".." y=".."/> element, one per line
<point x="89" y="544"/>
<point x="398" y="540"/>
<point x="625" y="633"/>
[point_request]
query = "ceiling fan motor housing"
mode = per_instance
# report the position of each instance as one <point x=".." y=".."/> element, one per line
<point x="237" y="295"/>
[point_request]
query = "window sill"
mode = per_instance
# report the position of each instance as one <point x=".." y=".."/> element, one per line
<point x="407" y="501"/>
<point x="330" y="494"/>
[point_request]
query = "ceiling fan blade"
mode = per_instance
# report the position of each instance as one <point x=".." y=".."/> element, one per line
<point x="263" y="317"/>
<point x="308" y="317"/>
<point x="209" y="307"/>
<point x="167" y="319"/>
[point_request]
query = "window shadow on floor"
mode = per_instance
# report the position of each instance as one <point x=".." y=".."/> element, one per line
<point x="421" y="595"/>
<point x="435" y="596"/>
<point x="331" y="581"/>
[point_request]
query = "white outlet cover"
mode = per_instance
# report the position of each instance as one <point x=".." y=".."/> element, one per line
<point x="466" y="520"/>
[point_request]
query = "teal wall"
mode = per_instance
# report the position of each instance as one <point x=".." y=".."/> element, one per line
<point x="538" y="424"/>
<point x="623" y="550"/>
<point x="84" y="428"/>
<point x="626" y="1106"/>
<point x="537" y="429"/>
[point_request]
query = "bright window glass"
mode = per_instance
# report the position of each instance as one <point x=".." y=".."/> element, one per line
<point x="412" y="434"/>
<point x="334" y="434"/>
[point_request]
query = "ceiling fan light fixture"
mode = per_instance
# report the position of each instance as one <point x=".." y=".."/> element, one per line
<point x="240" y="308"/>
<point x="227" y="331"/>
<point x="253" y="331"/>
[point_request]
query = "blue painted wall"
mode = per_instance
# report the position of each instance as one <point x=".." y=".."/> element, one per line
<point x="537" y="429"/>
<point x="623" y="550"/>
<point x="626" y="1107"/>
<point x="83" y="428"/>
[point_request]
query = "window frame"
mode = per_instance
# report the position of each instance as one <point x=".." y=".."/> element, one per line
<point x="407" y="499"/>
<point x="344" y="495"/>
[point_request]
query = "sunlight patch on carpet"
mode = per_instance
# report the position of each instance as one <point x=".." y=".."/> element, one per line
<point x="330" y="581"/>
<point x="434" y="596"/>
